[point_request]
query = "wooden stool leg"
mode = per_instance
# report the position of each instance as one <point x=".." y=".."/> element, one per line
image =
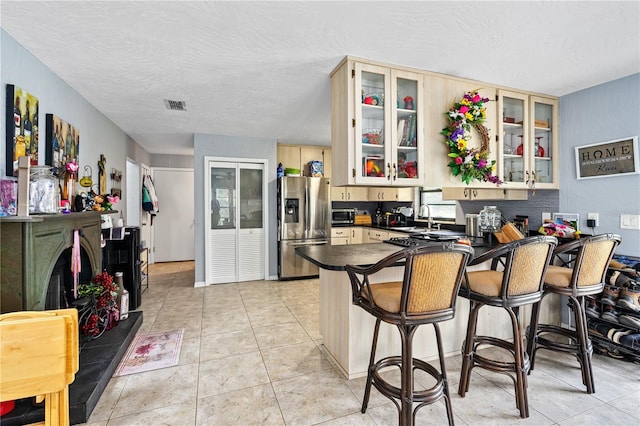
<point x="467" y="352"/>
<point x="520" y="369"/>
<point x="532" y="335"/>
<point x="372" y="358"/>
<point x="443" y="371"/>
<point x="584" y="343"/>
<point x="406" y="381"/>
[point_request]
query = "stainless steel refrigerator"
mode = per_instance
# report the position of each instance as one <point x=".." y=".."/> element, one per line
<point x="303" y="220"/>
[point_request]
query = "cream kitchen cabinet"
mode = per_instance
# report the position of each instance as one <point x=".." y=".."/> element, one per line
<point x="376" y="125"/>
<point x="470" y="193"/>
<point x="528" y="140"/>
<point x="347" y="235"/>
<point x="357" y="235"/>
<point x="478" y="194"/>
<point x="340" y="236"/>
<point x="298" y="156"/>
<point x="349" y="193"/>
<point x="391" y="194"/>
<point x="377" y="235"/>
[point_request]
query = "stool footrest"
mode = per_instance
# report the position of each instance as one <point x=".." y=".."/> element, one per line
<point x="544" y="343"/>
<point x="492" y="364"/>
<point x="426" y="395"/>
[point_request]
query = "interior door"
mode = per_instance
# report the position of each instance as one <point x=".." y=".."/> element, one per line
<point x="235" y="219"/>
<point x="173" y="226"/>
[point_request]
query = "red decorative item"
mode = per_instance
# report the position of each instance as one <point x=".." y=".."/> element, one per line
<point x="519" y="150"/>
<point x="540" y="151"/>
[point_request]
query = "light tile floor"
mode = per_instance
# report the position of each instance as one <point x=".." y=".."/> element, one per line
<point x="250" y="356"/>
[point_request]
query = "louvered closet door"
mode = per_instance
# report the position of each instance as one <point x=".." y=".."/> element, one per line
<point x="235" y="231"/>
<point x="251" y="241"/>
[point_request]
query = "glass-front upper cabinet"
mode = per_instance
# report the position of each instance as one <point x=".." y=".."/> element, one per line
<point x="407" y="114"/>
<point x="387" y="126"/>
<point x="528" y="144"/>
<point x="543" y="134"/>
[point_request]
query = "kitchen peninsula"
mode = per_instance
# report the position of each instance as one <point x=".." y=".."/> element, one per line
<point x="347" y="330"/>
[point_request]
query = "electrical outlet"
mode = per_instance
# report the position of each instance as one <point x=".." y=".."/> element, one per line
<point x="595" y="217"/>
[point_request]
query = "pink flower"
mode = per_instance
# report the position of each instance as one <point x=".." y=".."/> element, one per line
<point x="463" y="109"/>
<point x="458" y="160"/>
<point x="72" y="167"/>
<point x="476" y="98"/>
<point x="482" y="163"/>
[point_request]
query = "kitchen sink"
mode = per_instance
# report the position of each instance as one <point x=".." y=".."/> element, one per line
<point x="410" y="229"/>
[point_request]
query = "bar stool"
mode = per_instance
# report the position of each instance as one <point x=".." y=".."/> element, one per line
<point x="519" y="283"/>
<point x="585" y="277"/>
<point x="426" y="295"/>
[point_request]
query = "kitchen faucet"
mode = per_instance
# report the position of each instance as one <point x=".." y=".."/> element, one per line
<point x="428" y="214"/>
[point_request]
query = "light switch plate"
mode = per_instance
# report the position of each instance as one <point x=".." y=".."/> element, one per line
<point x="630" y="221"/>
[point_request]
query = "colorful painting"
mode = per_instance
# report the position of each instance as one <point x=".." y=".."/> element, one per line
<point x="22" y="128"/>
<point x="63" y="143"/>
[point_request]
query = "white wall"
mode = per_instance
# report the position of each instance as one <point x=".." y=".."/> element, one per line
<point x="606" y="112"/>
<point x="98" y="134"/>
<point x="234" y="147"/>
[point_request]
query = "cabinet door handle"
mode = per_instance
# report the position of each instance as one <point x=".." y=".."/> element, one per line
<point x="466" y="193"/>
<point x="526" y="173"/>
<point x="475" y="194"/>
<point x="388" y="171"/>
<point x="395" y="171"/>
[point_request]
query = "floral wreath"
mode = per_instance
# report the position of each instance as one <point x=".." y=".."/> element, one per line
<point x="469" y="163"/>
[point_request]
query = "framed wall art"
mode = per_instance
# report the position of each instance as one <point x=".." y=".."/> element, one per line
<point x="63" y="143"/>
<point x="606" y="159"/>
<point x="22" y="128"/>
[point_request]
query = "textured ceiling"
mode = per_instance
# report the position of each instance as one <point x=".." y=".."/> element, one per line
<point x="261" y="69"/>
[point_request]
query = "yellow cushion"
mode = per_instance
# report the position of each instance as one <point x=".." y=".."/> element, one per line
<point x="387" y="295"/>
<point x="485" y="282"/>
<point x="558" y="276"/>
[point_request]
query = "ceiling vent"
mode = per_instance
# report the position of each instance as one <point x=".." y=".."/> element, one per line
<point x="175" y="105"/>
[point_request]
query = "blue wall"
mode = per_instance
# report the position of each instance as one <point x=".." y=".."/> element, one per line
<point x="233" y="147"/>
<point x="98" y="134"/>
<point x="601" y="113"/>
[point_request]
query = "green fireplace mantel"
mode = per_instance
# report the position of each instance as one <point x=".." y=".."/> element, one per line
<point x="29" y="249"/>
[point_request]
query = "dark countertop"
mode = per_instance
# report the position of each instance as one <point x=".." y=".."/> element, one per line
<point x="336" y="257"/>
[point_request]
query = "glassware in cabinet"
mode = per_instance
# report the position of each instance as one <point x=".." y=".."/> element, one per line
<point x="514" y="127"/>
<point x="388" y="126"/>
<point x="406" y="133"/>
<point x="529" y="142"/>
<point x="371" y="119"/>
<point x="543" y="138"/>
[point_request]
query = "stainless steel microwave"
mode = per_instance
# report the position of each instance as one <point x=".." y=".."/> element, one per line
<point x="343" y="216"/>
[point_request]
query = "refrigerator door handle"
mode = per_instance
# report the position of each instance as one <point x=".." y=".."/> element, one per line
<point x="307" y="211"/>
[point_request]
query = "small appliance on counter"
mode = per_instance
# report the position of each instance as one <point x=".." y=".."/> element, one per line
<point x="394" y="219"/>
<point x="473" y="225"/>
<point x="343" y="216"/>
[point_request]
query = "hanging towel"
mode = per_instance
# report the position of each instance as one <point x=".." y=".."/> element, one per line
<point x="75" y="262"/>
<point x="148" y="184"/>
